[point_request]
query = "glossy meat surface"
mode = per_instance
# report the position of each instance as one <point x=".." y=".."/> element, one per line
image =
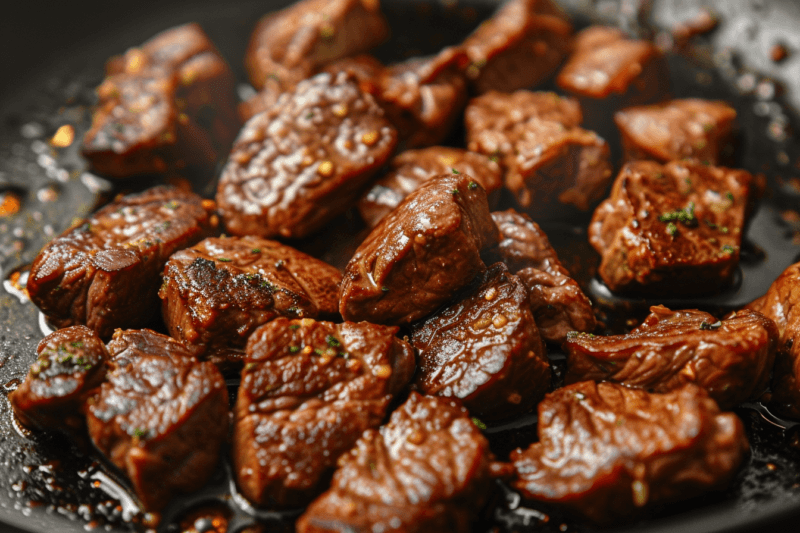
<point x="427" y="470"/>
<point x="420" y="254"/>
<point x="105" y="272"/>
<point x="609" y="453"/>
<point x="309" y="390"/>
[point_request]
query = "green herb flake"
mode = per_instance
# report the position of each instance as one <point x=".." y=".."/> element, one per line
<point x="672" y="229"/>
<point x="224" y="260"/>
<point x="728" y="249"/>
<point x="729" y="195"/>
<point x="319" y="351"/>
<point x="455" y="171"/>
<point x="76" y="344"/>
<point x="454" y="192"/>
<point x="478" y="423"/>
<point x="172" y="205"/>
<point x="472" y="186"/>
<point x="294" y="349"/>
<point x="294" y="326"/>
<point x="255" y="251"/>
<point x="140" y="433"/>
<point x="685" y="216"/>
<point x="333" y="341"/>
<point x="385" y="288"/>
<point x="705" y="326"/>
<point x="250" y="366"/>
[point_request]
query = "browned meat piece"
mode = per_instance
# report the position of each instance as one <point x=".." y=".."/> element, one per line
<point x="782" y="304"/>
<point x="412" y="168"/>
<point x="549" y="160"/>
<point x="168" y="105"/>
<point x="678" y="129"/>
<point x="294" y="43"/>
<point x="484" y="348"/>
<point x="672" y="229"/>
<point x="731" y="359"/>
<point x="558" y="303"/>
<point x="308" y="391"/>
<point x="71" y="363"/>
<point x="104" y="272"/>
<point x="609" y="452"/>
<point x="161" y="417"/>
<point x="521" y="46"/>
<point x="305" y="160"/>
<point x="218" y="292"/>
<point x="420" y="254"/>
<point x="426" y="471"/>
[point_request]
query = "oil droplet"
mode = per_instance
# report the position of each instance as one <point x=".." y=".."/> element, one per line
<point x="490" y="294"/>
<point x="383" y="371"/>
<point x="325" y="168"/>
<point x="63" y="136"/>
<point x="9" y="203"/>
<point x="370" y="138"/>
<point x="499" y="320"/>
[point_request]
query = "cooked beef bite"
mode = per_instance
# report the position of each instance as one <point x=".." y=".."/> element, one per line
<point x="678" y="129"/>
<point x="165" y="106"/>
<point x="484" y="348"/>
<point x="731" y="359"/>
<point x="609" y="452"/>
<point x="420" y="254"/>
<point x="427" y="470"/>
<point x="309" y="390"/>
<point x="294" y="43"/>
<point x="412" y="168"/>
<point x="304" y="160"/>
<point x="71" y="363"/>
<point x="161" y="417"/>
<point x="216" y="293"/>
<point x="672" y="229"/>
<point x="782" y="304"/>
<point x="104" y="272"/>
<point x="521" y="46"/>
<point x="558" y="303"/>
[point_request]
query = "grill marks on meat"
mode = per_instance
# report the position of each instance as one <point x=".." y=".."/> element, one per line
<point x="308" y="391"/>
<point x="484" y="348"/>
<point x="105" y="272"/>
<point x="165" y="106"/>
<point x="305" y="160"/>
<point x="731" y="359"/>
<point x="427" y="470"/>
<point x="161" y="417"/>
<point x="557" y="302"/>
<point x="673" y="229"/>
<point x="218" y="292"/>
<point x="420" y="254"/>
<point x="610" y="452"/>
<point x="411" y="168"/>
<point x="71" y="363"/>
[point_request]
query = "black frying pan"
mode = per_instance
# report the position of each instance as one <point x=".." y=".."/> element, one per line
<point x="52" y="57"/>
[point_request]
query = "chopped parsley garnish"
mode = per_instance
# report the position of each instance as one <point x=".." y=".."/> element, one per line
<point x="672" y="229"/>
<point x="478" y="423"/>
<point x="684" y="216"/>
<point x="705" y="326"/>
<point x="294" y="326"/>
<point x="728" y="249"/>
<point x="76" y="344"/>
<point x="333" y="341"/>
<point x="251" y="366"/>
<point x="385" y="288"/>
<point x="454" y="192"/>
<point x="319" y="351"/>
<point x="140" y="433"/>
<point x="455" y="171"/>
<point x="224" y="259"/>
<point x="255" y="251"/>
<point x="472" y="185"/>
<point x="294" y="349"/>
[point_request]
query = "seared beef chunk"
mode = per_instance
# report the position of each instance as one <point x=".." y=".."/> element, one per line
<point x="678" y="129"/>
<point x="412" y="168"/>
<point x="731" y="359"/>
<point x="294" y="43"/>
<point x="305" y="160"/>
<point x="608" y="72"/>
<point x="484" y="348"/>
<point x="782" y="304"/>
<point x="556" y="300"/>
<point x="427" y="470"/>
<point x="308" y="391"/>
<point x="609" y="452"/>
<point x="218" y="292"/>
<point x="105" y="272"/>
<point x="549" y="160"/>
<point x="420" y="254"/>
<point x="70" y="365"/>
<point x="520" y="46"/>
<point x="161" y="417"/>
<point x="165" y="106"/>
<point x="672" y="229"/>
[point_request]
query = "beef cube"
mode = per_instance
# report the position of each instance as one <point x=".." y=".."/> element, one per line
<point x="678" y="129"/>
<point x="731" y="359"/>
<point x="610" y="453"/>
<point x="309" y="390"/>
<point x="672" y="229"/>
<point x="304" y="160"/>
<point x="484" y="348"/>
<point x="412" y="168"/>
<point x="71" y="363"/>
<point x="216" y="293"/>
<point x="104" y="272"/>
<point x="782" y="304"/>
<point x="427" y="470"/>
<point x="521" y="46"/>
<point x="166" y="106"/>
<point x="294" y="43"/>
<point x="557" y="302"/>
<point x="420" y="254"/>
<point x="161" y="417"/>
